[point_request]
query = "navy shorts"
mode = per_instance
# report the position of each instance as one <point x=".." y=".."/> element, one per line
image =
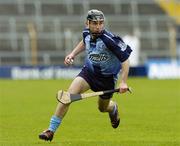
<point x="98" y="82"/>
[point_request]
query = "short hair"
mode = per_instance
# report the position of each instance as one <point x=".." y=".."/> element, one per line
<point x="95" y="15"/>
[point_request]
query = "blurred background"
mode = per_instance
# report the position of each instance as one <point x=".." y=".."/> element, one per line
<point x="37" y="34"/>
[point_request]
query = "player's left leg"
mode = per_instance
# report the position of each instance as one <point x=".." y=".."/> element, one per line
<point x="107" y="105"/>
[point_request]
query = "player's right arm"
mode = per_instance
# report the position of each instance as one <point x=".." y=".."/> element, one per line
<point x="78" y="49"/>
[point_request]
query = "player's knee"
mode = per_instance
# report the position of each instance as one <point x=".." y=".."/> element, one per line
<point x="102" y="108"/>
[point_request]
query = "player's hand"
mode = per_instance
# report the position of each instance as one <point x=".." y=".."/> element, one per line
<point x="69" y="59"/>
<point x="123" y="87"/>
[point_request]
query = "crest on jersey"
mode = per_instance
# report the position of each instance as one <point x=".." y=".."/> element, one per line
<point x="100" y="45"/>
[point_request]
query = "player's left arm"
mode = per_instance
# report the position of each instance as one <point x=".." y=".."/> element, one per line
<point x="124" y="76"/>
<point x="122" y="52"/>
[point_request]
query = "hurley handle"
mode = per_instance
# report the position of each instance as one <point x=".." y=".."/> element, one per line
<point x="115" y="90"/>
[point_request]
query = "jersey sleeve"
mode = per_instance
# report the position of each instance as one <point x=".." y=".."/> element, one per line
<point x="85" y="33"/>
<point x="117" y="46"/>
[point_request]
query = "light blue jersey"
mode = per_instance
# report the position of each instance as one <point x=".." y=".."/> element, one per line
<point x="105" y="54"/>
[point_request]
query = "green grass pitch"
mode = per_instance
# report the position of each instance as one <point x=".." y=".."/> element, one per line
<point x="149" y="117"/>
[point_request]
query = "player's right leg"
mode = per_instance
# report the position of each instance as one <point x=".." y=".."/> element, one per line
<point x="79" y="85"/>
<point x="107" y="105"/>
<point x="114" y="116"/>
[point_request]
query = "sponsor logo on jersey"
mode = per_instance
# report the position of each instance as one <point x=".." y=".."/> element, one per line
<point x="98" y="57"/>
<point x="122" y="45"/>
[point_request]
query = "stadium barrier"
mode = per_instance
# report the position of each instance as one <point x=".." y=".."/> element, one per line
<point x="153" y="69"/>
<point x="163" y="69"/>
<point x="38" y="72"/>
<point x="51" y="72"/>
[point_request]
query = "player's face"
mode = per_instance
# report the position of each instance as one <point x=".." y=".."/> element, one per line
<point x="96" y="26"/>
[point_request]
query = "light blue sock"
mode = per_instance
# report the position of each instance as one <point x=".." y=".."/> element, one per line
<point x="54" y="123"/>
